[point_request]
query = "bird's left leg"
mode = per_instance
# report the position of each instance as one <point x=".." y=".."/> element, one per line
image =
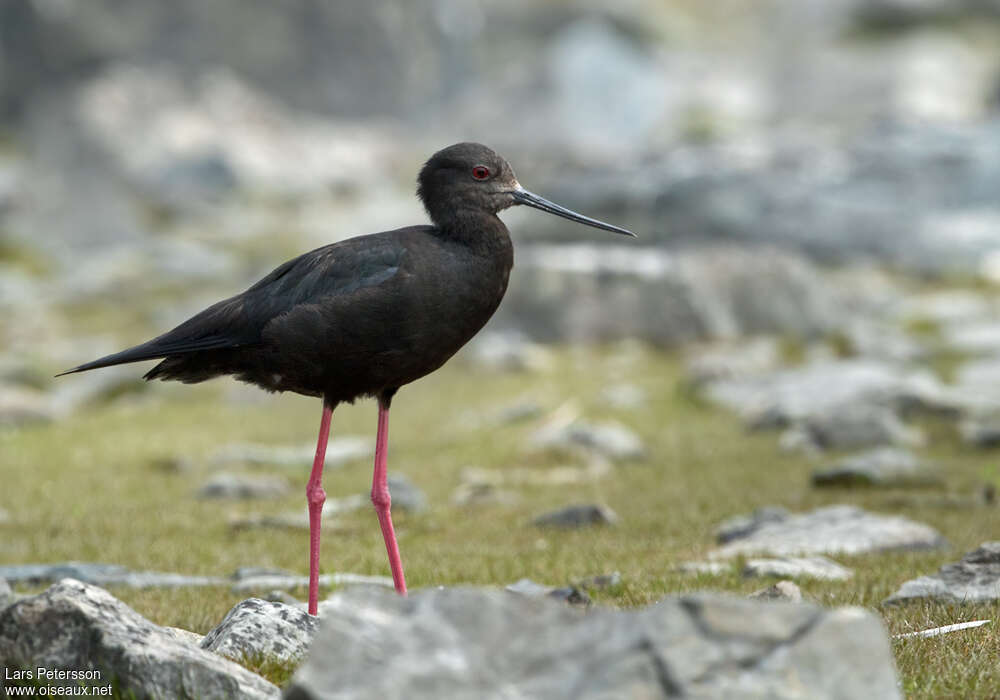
<point x="315" y="497"/>
<point x="380" y="492"/>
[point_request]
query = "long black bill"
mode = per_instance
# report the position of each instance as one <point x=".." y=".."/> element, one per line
<point x="522" y="196"/>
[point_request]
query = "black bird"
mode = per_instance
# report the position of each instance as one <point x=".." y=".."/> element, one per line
<point x="364" y="316"/>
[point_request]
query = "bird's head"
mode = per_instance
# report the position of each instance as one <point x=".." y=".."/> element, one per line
<point x="471" y="177"/>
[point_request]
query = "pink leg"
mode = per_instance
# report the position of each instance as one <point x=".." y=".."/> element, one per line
<point x="315" y="497"/>
<point x="381" y="498"/>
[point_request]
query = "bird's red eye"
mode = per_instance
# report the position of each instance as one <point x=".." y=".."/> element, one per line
<point x="480" y="172"/>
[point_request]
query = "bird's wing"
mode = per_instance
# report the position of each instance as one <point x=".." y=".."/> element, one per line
<point x="338" y="269"/>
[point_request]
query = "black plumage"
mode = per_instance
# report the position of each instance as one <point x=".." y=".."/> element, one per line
<point x="368" y="314"/>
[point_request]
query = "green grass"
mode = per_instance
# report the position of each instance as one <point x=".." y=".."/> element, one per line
<point x="87" y="489"/>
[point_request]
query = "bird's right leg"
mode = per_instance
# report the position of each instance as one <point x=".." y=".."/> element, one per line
<point x="315" y="497"/>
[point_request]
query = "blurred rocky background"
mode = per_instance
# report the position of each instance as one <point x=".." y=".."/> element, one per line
<point x="795" y="168"/>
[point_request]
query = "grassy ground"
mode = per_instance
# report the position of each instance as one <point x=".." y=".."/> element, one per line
<point x="88" y="489"/>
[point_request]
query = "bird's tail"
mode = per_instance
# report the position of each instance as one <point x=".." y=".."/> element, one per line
<point x="155" y="349"/>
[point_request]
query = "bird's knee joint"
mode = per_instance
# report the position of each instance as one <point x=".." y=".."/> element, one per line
<point x="315" y="495"/>
<point x="381" y="498"/>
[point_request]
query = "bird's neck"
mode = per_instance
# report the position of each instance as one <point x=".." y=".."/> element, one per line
<point x="480" y="231"/>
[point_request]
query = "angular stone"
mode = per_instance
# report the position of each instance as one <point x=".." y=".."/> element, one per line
<point x="405" y="494"/>
<point x="853" y="427"/>
<point x="798" y="567"/>
<point x="259" y="628"/>
<point x="884" y="466"/>
<point x="732" y="361"/>
<point x="787" y="396"/>
<point x="945" y="307"/>
<point x="975" y="338"/>
<point x="981" y="431"/>
<point x="742" y="525"/>
<point x="973" y="579"/>
<point x="473" y="643"/>
<point x="243" y="487"/>
<point x="611" y="440"/>
<point x="571" y="594"/>
<point x="839" y="529"/>
<point x="6" y="594"/>
<point x="578" y="516"/>
<point x="104" y="575"/>
<point x="76" y="626"/>
<point x="782" y="590"/>
<point x="508" y="351"/>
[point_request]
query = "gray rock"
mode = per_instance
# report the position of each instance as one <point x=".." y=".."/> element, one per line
<point x="981" y="431"/>
<point x="508" y="351"/>
<point x="242" y="486"/>
<point x="612" y="440"/>
<point x="740" y="526"/>
<point x="571" y="594"/>
<point x="75" y="626"/>
<point x="598" y="292"/>
<point x="104" y="575"/>
<point x="246" y="572"/>
<point x="732" y="360"/>
<point x="578" y="516"/>
<point x="974" y="338"/>
<point x="884" y="466"/>
<point x="973" y="579"/>
<point x="405" y="494"/>
<point x="883" y="341"/>
<point x="856" y="426"/>
<point x="840" y="529"/>
<point x="819" y="568"/>
<point x="259" y="628"/>
<point x="980" y="379"/>
<point x="788" y="396"/>
<point x="947" y="307"/>
<point x="475" y="644"/>
<point x="785" y="591"/>
<point x="6" y="594"/>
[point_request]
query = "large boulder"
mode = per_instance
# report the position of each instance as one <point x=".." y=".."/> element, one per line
<point x="75" y="626"/>
<point x="474" y="643"/>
